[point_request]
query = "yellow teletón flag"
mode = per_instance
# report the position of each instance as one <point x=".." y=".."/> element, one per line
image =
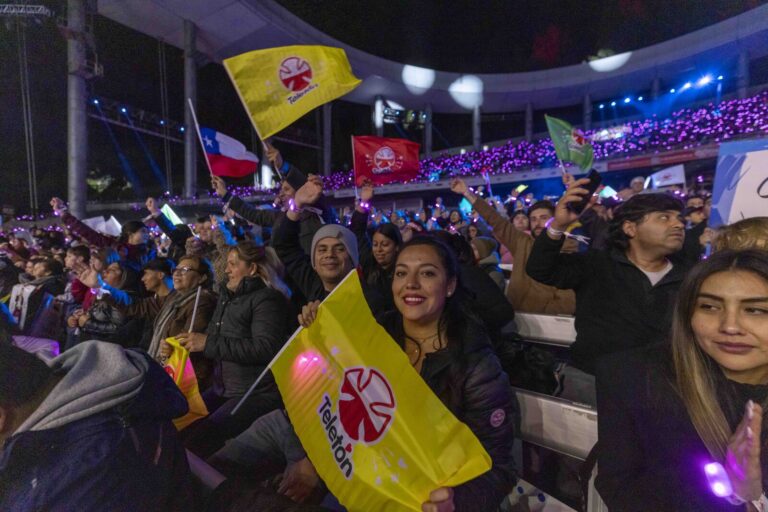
<point x="279" y="85"/>
<point x="379" y="438"/>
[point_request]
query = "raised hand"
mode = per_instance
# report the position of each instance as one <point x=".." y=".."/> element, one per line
<point x="57" y="205"/>
<point x="366" y="193"/>
<point x="563" y="216"/>
<point x="742" y="462"/>
<point x="310" y="192"/>
<point x="273" y="155"/>
<point x="151" y="205"/>
<point x="458" y="186"/>
<point x="87" y="275"/>
<point x="218" y="185"/>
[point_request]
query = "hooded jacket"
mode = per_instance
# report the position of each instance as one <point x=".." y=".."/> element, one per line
<point x="101" y="440"/>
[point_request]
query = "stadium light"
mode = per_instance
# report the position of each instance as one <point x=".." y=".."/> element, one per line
<point x="627" y="99"/>
<point x="602" y="106"/>
<point x="181" y="129"/>
<point x="162" y="122"/>
<point x="639" y="98"/>
<point x="672" y="90"/>
<point x="704" y="80"/>
<point x="686" y="85"/>
<point x="95" y="101"/>
<point x="123" y="110"/>
<point x="613" y="103"/>
<point x="720" y="77"/>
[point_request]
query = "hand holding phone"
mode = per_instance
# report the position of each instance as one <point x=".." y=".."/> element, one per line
<point x="594" y="182"/>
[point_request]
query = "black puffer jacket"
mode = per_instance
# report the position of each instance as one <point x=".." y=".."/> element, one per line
<point x="248" y="328"/>
<point x="470" y="382"/>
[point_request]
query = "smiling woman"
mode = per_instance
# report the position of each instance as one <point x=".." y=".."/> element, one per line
<point x="450" y="349"/>
<point x="702" y="402"/>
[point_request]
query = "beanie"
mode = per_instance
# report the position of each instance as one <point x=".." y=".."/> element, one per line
<point x="344" y="235"/>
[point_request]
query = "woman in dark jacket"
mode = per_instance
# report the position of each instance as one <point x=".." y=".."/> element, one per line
<point x="378" y="252"/>
<point x="667" y="413"/>
<point x="252" y="321"/>
<point x="448" y="346"/>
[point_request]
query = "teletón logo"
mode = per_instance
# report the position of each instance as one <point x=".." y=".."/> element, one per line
<point x="295" y="74"/>
<point x="384" y="160"/>
<point x="364" y="413"/>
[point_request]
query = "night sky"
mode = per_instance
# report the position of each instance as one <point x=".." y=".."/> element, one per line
<point x="490" y="37"/>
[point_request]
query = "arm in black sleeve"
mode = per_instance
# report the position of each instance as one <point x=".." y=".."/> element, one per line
<point x="268" y="333"/>
<point x="623" y="480"/>
<point x="549" y="266"/>
<point x="171" y="231"/>
<point x="359" y="226"/>
<point x="298" y="265"/>
<point x="250" y="213"/>
<point x="487" y="397"/>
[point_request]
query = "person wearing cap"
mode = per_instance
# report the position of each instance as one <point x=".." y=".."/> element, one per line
<point x="332" y="255"/>
<point x="625" y="294"/>
<point x="292" y="180"/>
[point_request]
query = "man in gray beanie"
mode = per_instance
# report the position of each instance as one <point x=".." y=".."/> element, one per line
<point x="332" y="256"/>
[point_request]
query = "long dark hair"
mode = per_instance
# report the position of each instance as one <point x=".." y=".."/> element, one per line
<point x="697" y="376"/>
<point x="456" y="319"/>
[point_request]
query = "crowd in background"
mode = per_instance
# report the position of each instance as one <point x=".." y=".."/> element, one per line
<point x="443" y="281"/>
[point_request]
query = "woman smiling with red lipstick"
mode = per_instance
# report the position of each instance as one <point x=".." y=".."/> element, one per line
<point x="451" y="351"/>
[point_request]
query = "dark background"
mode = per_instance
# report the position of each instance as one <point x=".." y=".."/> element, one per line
<point x="472" y="37"/>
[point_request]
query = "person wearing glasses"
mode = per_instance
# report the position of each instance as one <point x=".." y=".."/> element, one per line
<point x="169" y="309"/>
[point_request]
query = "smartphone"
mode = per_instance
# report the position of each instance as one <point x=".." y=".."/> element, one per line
<point x="594" y="181"/>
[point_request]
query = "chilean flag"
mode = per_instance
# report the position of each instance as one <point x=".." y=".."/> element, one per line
<point x="227" y="156"/>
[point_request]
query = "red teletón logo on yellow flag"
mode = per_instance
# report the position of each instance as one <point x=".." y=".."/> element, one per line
<point x="378" y="436"/>
<point x="279" y="85"/>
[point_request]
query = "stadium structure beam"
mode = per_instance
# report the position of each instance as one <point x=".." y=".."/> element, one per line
<point x="327" y="134"/>
<point x="190" y="91"/>
<point x="476" y="128"/>
<point x="77" y="134"/>
<point x="428" y="131"/>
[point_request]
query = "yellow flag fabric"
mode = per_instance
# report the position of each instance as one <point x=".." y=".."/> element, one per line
<point x="379" y="438"/>
<point x="279" y="85"/>
<point x="180" y="368"/>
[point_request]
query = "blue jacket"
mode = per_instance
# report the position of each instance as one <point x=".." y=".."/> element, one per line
<point x="126" y="458"/>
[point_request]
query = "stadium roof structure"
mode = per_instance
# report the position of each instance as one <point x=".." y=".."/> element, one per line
<point x="230" y="27"/>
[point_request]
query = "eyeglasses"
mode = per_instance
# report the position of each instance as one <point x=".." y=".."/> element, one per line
<point x="183" y="270"/>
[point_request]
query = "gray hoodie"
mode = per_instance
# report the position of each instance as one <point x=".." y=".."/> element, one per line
<point x="99" y="376"/>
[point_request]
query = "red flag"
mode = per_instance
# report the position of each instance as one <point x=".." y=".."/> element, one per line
<point x="384" y="160"/>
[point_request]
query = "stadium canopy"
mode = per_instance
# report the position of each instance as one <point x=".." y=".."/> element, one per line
<point x="230" y="27"/>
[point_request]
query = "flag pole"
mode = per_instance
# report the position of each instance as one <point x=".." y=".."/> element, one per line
<point x="194" y="309"/>
<point x="199" y="137"/>
<point x="354" y="171"/>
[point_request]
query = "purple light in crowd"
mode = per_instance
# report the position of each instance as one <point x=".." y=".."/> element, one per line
<point x="718" y="479"/>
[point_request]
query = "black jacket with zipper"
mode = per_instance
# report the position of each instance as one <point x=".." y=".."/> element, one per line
<point x="617" y="308"/>
<point x="470" y="382"/>
<point x="248" y="328"/>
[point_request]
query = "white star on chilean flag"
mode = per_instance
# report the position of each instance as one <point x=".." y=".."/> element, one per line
<point x="227" y="156"/>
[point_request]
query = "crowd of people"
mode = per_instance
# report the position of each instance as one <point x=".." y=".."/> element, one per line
<point x="671" y="347"/>
<point x="682" y="129"/>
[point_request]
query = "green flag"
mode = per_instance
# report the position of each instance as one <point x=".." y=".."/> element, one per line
<point x="571" y="145"/>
